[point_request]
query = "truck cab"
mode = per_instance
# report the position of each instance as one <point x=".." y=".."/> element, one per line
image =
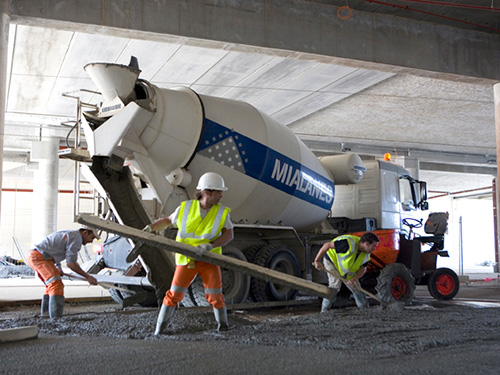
<point x="383" y="198"/>
<point x="389" y="202"/>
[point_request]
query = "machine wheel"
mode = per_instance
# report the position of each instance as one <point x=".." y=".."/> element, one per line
<point x="278" y="258"/>
<point x="251" y="251"/>
<point x="235" y="285"/>
<point x="119" y="295"/>
<point x="395" y="283"/>
<point x="116" y="295"/>
<point x="188" y="300"/>
<point x="443" y="284"/>
<point x="197" y="292"/>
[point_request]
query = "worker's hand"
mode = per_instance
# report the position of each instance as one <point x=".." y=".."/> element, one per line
<point x="352" y="282"/>
<point x="203" y="248"/>
<point x="148" y="229"/>
<point x="318" y="265"/>
<point x="91" y="280"/>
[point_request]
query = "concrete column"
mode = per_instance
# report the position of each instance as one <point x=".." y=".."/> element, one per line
<point x="4" y="46"/>
<point x="496" y="90"/>
<point x="45" y="180"/>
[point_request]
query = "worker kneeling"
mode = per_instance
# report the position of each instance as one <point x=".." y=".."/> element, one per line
<point x="205" y="224"/>
<point x="346" y="261"/>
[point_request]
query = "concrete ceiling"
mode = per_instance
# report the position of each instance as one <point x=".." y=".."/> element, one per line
<point x="332" y="106"/>
<point x="479" y="15"/>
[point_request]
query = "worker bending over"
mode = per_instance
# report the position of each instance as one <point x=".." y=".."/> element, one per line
<point x="205" y="224"/>
<point x="46" y="259"/>
<point x="346" y="260"/>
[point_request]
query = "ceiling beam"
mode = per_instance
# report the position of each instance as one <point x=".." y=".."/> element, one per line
<point x="456" y="168"/>
<point x="315" y="29"/>
<point x="432" y="160"/>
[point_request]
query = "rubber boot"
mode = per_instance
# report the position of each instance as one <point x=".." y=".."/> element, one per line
<point x="221" y="319"/>
<point x="326" y="305"/>
<point x="56" y="306"/>
<point x="166" y="313"/>
<point x="360" y="299"/>
<point x="44" y="311"/>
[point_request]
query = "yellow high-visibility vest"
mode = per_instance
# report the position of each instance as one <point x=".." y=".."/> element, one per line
<point x="193" y="230"/>
<point x="350" y="262"/>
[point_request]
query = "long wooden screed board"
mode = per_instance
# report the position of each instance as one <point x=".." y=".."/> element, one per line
<point x="163" y="243"/>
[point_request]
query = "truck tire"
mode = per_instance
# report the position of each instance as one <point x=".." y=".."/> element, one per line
<point x="443" y="284"/>
<point x="116" y="295"/>
<point x="119" y="295"/>
<point x="279" y="258"/>
<point x="188" y="300"/>
<point x="235" y="285"/>
<point x="395" y="283"/>
<point x="197" y="292"/>
<point x="251" y="251"/>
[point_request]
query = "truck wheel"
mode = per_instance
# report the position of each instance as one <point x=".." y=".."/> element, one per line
<point x="235" y="285"/>
<point x="251" y="251"/>
<point x="278" y="258"/>
<point x="395" y="283"/>
<point x="443" y="284"/>
<point x="197" y="292"/>
<point x="116" y="295"/>
<point x="188" y="300"/>
<point x="119" y="295"/>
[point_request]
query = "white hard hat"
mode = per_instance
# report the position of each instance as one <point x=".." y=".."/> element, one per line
<point x="211" y="181"/>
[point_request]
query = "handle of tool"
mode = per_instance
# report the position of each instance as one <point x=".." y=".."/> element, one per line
<point x="73" y="276"/>
<point x="105" y="285"/>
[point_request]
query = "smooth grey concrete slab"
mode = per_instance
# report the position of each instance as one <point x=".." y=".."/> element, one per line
<point x="18" y="333"/>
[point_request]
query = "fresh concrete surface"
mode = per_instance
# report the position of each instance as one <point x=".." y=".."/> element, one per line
<point x="427" y="337"/>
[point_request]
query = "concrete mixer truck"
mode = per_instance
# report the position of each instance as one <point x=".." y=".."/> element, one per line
<point x="148" y="146"/>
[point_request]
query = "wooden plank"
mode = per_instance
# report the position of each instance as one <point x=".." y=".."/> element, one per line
<point x="18" y="333"/>
<point x="238" y="265"/>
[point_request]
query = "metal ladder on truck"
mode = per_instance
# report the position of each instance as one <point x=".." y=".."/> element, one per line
<point x="83" y="190"/>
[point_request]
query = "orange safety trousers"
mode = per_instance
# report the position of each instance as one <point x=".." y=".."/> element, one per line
<point x="47" y="272"/>
<point x="183" y="277"/>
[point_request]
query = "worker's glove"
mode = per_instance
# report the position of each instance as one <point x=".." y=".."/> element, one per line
<point x="148" y="229"/>
<point x="203" y="248"/>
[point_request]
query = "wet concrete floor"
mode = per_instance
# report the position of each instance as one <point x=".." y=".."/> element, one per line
<point x="425" y="337"/>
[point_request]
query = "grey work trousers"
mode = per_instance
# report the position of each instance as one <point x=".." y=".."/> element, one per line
<point x="335" y="283"/>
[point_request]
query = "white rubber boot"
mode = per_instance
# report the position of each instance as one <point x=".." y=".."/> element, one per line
<point x="326" y="305"/>
<point x="221" y="319"/>
<point x="56" y="306"/>
<point x="360" y="299"/>
<point x="44" y="309"/>
<point x="166" y="313"/>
